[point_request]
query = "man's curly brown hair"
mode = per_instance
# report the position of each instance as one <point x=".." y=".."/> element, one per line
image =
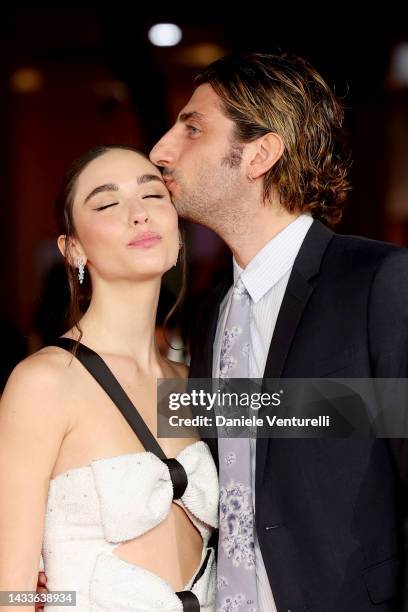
<point x="284" y="94"/>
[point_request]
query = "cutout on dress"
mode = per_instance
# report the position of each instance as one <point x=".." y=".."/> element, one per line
<point x="172" y="550"/>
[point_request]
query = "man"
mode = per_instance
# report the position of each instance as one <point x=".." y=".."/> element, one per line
<point x="257" y="155"/>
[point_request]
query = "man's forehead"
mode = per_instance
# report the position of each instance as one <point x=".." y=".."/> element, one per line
<point x="203" y="103"/>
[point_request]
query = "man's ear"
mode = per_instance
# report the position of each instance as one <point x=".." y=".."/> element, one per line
<point x="268" y="149"/>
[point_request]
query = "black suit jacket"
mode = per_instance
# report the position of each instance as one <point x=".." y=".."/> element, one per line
<point x="330" y="513"/>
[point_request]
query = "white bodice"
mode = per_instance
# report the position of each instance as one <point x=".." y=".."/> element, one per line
<point x="92" y="509"/>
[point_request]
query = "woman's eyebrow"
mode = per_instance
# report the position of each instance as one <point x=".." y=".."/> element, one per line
<point x="141" y="180"/>
<point x="146" y="178"/>
<point x="100" y="189"/>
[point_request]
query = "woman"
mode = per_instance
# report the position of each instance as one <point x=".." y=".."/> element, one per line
<point x="100" y="502"/>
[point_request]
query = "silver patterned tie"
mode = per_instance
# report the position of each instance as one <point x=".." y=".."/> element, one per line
<point x="236" y="577"/>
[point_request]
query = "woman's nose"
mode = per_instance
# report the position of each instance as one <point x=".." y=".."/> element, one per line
<point x="139" y="215"/>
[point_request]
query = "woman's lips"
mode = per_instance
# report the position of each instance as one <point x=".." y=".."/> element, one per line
<point x="145" y="240"/>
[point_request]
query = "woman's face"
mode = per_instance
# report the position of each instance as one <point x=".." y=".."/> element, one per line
<point x="126" y="225"/>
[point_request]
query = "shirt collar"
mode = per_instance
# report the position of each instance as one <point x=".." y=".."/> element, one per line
<point x="274" y="260"/>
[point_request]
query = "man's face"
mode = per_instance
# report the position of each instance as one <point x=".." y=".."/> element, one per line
<point x="201" y="161"/>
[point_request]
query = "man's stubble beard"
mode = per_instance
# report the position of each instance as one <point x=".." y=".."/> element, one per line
<point x="203" y="205"/>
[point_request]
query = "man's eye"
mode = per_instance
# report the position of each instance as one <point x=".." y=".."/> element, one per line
<point x="106" y="206"/>
<point x="192" y="129"/>
<point x="152" y="195"/>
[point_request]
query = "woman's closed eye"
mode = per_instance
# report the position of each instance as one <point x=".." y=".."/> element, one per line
<point x="106" y="206"/>
<point x="152" y="195"/>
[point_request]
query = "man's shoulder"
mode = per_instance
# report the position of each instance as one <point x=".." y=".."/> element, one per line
<point x="359" y="250"/>
<point x="367" y="244"/>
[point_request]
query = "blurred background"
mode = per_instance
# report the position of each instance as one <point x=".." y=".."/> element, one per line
<point x="71" y="78"/>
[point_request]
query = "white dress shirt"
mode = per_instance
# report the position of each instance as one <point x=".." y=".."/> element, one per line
<point x="265" y="278"/>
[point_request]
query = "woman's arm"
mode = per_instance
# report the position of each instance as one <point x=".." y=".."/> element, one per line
<point x="33" y="423"/>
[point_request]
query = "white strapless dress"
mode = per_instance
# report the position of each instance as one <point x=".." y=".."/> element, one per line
<point x="91" y="510"/>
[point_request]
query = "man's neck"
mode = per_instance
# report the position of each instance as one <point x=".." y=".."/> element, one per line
<point x="259" y="229"/>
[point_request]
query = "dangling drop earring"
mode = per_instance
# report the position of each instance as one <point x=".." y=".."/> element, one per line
<point x="81" y="269"/>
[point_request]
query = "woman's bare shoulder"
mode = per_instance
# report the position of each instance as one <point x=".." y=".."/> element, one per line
<point x="45" y="371"/>
<point x="35" y="398"/>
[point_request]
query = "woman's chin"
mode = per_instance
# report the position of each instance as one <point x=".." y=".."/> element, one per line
<point x="150" y="272"/>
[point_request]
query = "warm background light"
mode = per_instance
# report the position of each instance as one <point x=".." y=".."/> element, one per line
<point x="165" y="34"/>
<point x="26" y="80"/>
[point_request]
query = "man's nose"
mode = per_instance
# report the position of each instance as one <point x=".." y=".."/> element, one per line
<point x="163" y="152"/>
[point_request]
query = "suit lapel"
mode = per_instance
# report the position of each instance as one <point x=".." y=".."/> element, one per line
<point x="297" y="295"/>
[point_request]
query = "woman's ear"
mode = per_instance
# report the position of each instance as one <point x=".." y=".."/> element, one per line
<point x="61" y="242"/>
<point x="71" y="250"/>
<point x="268" y="150"/>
